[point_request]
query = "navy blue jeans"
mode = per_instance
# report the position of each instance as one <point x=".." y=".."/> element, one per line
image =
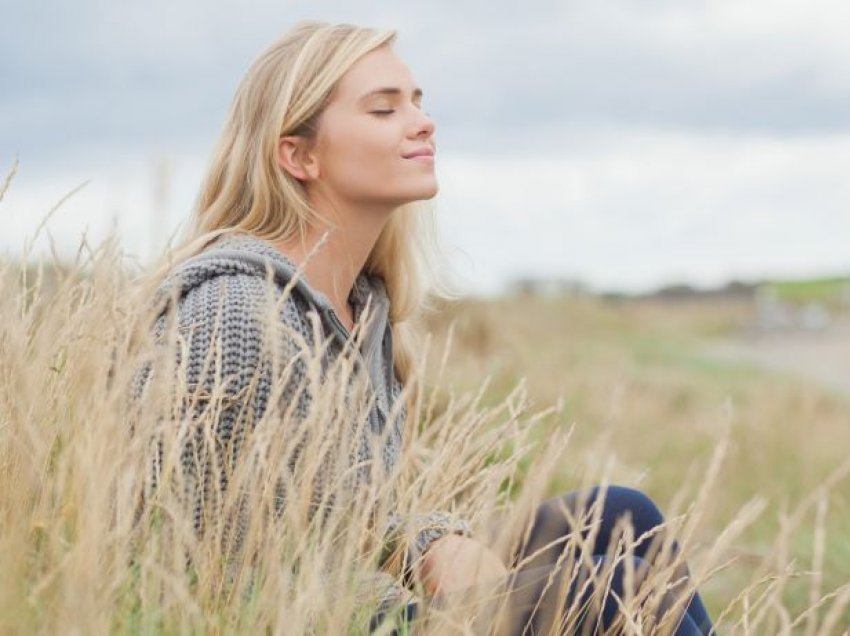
<point x="532" y="598"/>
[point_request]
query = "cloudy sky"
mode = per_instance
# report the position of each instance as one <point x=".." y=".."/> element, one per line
<point x="625" y="143"/>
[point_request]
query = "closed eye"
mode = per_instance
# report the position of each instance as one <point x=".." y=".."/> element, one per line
<point x="388" y="112"/>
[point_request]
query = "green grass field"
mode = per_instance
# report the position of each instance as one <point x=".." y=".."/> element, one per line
<point x="832" y="291"/>
<point x="647" y="403"/>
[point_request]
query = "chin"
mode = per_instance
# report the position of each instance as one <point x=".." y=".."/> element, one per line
<point x="419" y="195"/>
<point x="420" y="192"/>
<point x="429" y="192"/>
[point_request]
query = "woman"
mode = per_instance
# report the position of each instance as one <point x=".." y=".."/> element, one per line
<point x="315" y="183"/>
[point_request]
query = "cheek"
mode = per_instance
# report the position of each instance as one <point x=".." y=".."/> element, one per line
<point x="363" y="160"/>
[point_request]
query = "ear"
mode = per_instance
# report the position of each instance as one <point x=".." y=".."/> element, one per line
<point x="293" y="156"/>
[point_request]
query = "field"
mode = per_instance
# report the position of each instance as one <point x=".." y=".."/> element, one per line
<point x="522" y="398"/>
<point x="652" y="388"/>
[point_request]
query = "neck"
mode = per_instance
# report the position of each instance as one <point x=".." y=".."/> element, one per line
<point x="334" y="266"/>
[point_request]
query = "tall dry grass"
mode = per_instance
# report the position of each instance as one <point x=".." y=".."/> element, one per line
<point x="88" y="546"/>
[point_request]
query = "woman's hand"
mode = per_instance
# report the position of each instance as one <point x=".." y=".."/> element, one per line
<point x="454" y="562"/>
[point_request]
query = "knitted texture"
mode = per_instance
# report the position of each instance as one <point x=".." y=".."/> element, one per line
<point x="221" y="295"/>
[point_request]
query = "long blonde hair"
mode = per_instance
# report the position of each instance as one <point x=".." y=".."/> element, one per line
<point x="285" y="92"/>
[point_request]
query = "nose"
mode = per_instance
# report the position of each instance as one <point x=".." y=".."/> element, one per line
<point x="425" y="125"/>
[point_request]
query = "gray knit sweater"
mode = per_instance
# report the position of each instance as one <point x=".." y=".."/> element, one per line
<point x="225" y="286"/>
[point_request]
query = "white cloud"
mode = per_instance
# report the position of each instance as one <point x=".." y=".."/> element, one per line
<point x="633" y="209"/>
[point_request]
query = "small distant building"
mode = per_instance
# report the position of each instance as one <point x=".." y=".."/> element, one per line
<point x="814" y="316"/>
<point x="773" y="313"/>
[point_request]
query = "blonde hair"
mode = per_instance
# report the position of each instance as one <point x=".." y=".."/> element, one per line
<point x="284" y="92"/>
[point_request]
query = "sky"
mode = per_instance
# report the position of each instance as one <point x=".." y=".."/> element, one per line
<point x="626" y="144"/>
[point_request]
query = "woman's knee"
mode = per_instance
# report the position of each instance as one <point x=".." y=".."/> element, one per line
<point x="580" y="506"/>
<point x="644" y="512"/>
<point x="577" y="512"/>
<point x="614" y="506"/>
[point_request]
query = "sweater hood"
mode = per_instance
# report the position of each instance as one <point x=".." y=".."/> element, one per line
<point x="243" y="254"/>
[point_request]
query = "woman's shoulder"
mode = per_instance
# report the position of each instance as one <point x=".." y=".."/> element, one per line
<point x="233" y="271"/>
<point x="215" y="299"/>
<point x="235" y="259"/>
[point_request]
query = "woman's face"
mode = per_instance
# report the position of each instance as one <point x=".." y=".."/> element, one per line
<point x="365" y="133"/>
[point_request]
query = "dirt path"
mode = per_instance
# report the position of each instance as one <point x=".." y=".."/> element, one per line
<point x="822" y="357"/>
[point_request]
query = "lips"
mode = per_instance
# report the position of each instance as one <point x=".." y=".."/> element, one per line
<point x="422" y="152"/>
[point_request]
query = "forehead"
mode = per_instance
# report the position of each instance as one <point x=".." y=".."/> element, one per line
<point x="376" y="69"/>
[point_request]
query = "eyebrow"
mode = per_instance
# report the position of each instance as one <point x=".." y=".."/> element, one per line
<point x="389" y="90"/>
